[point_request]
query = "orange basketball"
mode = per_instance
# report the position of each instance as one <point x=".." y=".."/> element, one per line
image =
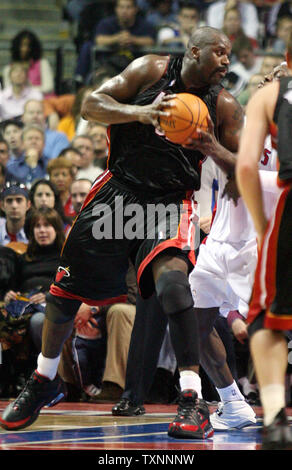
<point x="188" y="113"/>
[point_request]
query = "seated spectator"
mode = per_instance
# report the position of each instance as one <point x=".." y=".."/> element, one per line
<point x="246" y="64"/>
<point x="55" y="141"/>
<point x="280" y="9"/>
<point x="124" y="33"/>
<point x="74" y="156"/>
<point x="232" y="27"/>
<point x="4" y="151"/>
<point x="250" y="89"/>
<point x="14" y="96"/>
<point x="250" y="22"/>
<point x="12" y="133"/>
<point x="37" y="267"/>
<point x="98" y="134"/>
<point x="43" y="194"/>
<point x="56" y="107"/>
<point x="162" y="14"/>
<point x="71" y="123"/>
<point x="110" y="330"/>
<point x="32" y="164"/>
<point x="61" y="174"/>
<point x="26" y="48"/>
<point x="270" y="61"/>
<point x="79" y="190"/>
<point x="15" y="204"/>
<point x="84" y="144"/>
<point x="283" y="29"/>
<point x="178" y="35"/>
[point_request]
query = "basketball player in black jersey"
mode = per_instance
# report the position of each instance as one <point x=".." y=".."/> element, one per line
<point x="270" y="310"/>
<point x="144" y="170"/>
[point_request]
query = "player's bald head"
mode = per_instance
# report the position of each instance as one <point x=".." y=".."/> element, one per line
<point x="206" y="35"/>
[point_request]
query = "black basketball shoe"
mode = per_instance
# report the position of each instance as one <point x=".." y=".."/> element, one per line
<point x="192" y="420"/>
<point x="126" y="408"/>
<point x="38" y="392"/>
<point x="278" y="434"/>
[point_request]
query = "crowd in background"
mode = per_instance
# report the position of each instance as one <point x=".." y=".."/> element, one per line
<point x="50" y="156"/>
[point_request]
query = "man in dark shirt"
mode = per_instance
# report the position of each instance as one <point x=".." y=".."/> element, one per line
<point x="123" y="33"/>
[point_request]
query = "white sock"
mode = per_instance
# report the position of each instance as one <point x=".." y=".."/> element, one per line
<point x="48" y="367"/>
<point x="273" y="400"/>
<point x="230" y="393"/>
<point x="247" y="387"/>
<point x="190" y="380"/>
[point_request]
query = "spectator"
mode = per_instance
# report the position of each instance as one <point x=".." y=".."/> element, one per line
<point x="32" y="164"/>
<point x="250" y="22"/>
<point x="124" y="32"/>
<point x="112" y="335"/>
<point x="56" y="107"/>
<point x="55" y="141"/>
<point x="61" y="174"/>
<point x="284" y="27"/>
<point x="14" y="96"/>
<point x="79" y="190"/>
<point x="279" y="10"/>
<point x="12" y="133"/>
<point x="4" y="152"/>
<point x="38" y="265"/>
<point x="178" y="35"/>
<point x="70" y="123"/>
<point x="44" y="194"/>
<point x="270" y="61"/>
<point x="232" y="27"/>
<point x="162" y="14"/>
<point x="98" y="133"/>
<point x="27" y="49"/>
<point x="84" y="144"/>
<point x="250" y="89"/>
<point x="15" y="204"/>
<point x="247" y="63"/>
<point x="74" y="156"/>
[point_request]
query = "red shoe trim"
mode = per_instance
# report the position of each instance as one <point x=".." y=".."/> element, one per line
<point x="15" y="424"/>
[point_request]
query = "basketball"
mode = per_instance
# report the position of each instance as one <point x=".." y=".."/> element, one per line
<point x="188" y="113"/>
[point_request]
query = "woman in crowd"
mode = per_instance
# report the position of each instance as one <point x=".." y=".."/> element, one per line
<point x="27" y="49"/>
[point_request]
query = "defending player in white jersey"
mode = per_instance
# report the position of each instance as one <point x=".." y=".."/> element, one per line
<point x="224" y="272"/>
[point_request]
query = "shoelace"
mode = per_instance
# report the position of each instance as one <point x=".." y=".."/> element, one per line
<point x="29" y="386"/>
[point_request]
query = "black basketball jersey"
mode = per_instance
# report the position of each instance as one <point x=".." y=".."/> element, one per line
<point x="144" y="160"/>
<point x="283" y="120"/>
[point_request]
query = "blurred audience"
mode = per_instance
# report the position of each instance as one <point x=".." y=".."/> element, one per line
<point x="4" y="151"/>
<point x="55" y="141"/>
<point x="26" y="49"/>
<point x="61" y="174"/>
<point x="14" y="204"/>
<point x="98" y="133"/>
<point x="249" y="15"/>
<point x="85" y="145"/>
<point x="14" y="96"/>
<point x="79" y="190"/>
<point x="178" y="34"/>
<point x="12" y="133"/>
<point x="32" y="164"/>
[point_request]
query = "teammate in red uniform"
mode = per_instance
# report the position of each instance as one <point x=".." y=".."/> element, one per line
<point x="270" y="311"/>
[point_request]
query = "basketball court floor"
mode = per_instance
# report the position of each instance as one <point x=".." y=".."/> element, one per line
<point x="84" y="426"/>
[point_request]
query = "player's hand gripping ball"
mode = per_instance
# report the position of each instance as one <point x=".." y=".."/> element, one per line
<point x="188" y="112"/>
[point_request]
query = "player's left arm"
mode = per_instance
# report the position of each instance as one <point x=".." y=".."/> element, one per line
<point x="258" y="115"/>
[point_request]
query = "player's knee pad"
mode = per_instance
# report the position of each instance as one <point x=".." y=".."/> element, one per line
<point x="257" y="324"/>
<point x="174" y="292"/>
<point x="60" y="310"/>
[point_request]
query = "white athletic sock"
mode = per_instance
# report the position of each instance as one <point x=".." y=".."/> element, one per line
<point x="273" y="400"/>
<point x="247" y="387"/>
<point x="190" y="380"/>
<point x="48" y="367"/>
<point x="230" y="393"/>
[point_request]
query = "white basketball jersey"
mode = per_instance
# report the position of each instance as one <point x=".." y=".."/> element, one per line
<point x="233" y="224"/>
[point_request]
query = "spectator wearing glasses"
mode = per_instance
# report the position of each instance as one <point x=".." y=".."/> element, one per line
<point x="15" y="204"/>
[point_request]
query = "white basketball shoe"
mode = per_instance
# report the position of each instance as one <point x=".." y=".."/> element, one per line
<point x="235" y="414"/>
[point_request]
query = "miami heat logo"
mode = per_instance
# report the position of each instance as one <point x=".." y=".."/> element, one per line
<point x="61" y="272"/>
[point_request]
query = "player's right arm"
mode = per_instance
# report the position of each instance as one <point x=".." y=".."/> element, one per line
<point x="109" y="103"/>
